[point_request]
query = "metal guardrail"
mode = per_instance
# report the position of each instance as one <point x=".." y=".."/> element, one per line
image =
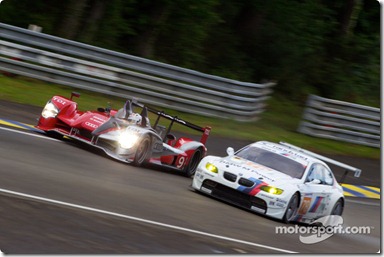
<point x="342" y="121"/>
<point x="75" y="64"/>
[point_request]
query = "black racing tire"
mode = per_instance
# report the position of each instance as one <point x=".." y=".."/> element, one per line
<point x="190" y="169"/>
<point x="143" y="152"/>
<point x="338" y="208"/>
<point x="292" y="208"/>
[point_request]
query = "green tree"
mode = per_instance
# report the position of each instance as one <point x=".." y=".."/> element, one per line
<point x="326" y="47"/>
<point x="352" y="68"/>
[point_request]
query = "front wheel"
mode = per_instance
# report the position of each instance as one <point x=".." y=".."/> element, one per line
<point x="143" y="152"/>
<point x="292" y="208"/>
<point x="190" y="169"/>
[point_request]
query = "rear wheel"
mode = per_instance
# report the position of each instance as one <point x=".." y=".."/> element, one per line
<point x="143" y="152"/>
<point x="292" y="208"/>
<point x="338" y="208"/>
<point x="190" y="169"/>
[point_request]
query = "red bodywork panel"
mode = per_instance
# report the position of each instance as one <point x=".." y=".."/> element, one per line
<point x="69" y="117"/>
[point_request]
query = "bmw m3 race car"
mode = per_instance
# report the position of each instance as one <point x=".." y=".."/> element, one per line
<point x="281" y="180"/>
<point x="125" y="135"/>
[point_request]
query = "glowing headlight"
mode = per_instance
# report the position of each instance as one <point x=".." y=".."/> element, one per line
<point x="272" y="190"/>
<point x="49" y="111"/>
<point x="212" y="168"/>
<point x="127" y="139"/>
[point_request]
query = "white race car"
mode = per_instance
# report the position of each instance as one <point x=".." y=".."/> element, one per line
<point x="278" y="180"/>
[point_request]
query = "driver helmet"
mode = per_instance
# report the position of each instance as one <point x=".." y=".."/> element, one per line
<point x="134" y="118"/>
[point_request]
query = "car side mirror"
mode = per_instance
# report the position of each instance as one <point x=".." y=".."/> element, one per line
<point x="230" y="151"/>
<point x="314" y="181"/>
<point x="75" y="94"/>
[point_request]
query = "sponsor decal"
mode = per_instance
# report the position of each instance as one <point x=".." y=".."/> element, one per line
<point x="248" y="167"/>
<point x="134" y="129"/>
<point x="199" y="175"/>
<point x="230" y="163"/>
<point x="180" y="162"/>
<point x="98" y="119"/>
<point x="305" y="206"/>
<point x="287" y="153"/>
<point x="316" y="204"/>
<point x="281" y="201"/>
<point x="87" y="123"/>
<point x="59" y="100"/>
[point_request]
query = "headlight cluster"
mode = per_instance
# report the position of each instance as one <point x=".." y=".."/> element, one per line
<point x="272" y="190"/>
<point x="128" y="139"/>
<point x="212" y="168"/>
<point x="50" y="110"/>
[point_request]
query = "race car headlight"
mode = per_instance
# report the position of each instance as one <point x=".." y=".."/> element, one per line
<point x="127" y="140"/>
<point x="50" y="111"/>
<point x="212" y="168"/>
<point x="272" y="190"/>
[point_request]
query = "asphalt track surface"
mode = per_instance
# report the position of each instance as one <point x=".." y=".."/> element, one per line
<point x="63" y="198"/>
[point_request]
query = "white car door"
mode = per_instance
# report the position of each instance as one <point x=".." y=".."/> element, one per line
<point x="316" y="192"/>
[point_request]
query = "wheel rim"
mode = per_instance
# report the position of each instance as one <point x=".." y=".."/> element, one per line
<point x="194" y="162"/>
<point x="338" y="209"/>
<point x="292" y="207"/>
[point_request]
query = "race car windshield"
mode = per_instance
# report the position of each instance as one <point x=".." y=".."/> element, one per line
<point x="273" y="161"/>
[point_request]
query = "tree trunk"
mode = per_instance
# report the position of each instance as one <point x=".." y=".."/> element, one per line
<point x="147" y="40"/>
<point x="71" y="20"/>
<point x="92" y="22"/>
<point x="350" y="16"/>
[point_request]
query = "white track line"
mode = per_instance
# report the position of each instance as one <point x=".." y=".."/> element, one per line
<point x="143" y="220"/>
<point x="29" y="134"/>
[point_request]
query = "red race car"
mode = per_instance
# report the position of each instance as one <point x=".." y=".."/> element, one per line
<point x="126" y="135"/>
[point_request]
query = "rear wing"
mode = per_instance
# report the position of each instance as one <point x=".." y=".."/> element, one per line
<point x="347" y="167"/>
<point x="161" y="114"/>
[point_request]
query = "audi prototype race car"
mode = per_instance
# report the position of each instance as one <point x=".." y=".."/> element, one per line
<point x="277" y="180"/>
<point x="125" y="135"/>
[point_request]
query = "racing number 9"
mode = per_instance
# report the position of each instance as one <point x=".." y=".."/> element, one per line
<point x="180" y="162"/>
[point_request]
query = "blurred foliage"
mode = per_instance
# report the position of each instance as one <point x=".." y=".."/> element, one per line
<point x="325" y="47"/>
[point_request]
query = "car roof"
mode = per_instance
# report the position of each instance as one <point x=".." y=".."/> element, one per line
<point x="287" y="152"/>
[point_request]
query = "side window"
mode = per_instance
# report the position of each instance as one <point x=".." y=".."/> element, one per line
<point x="320" y="172"/>
<point x="315" y="173"/>
<point x="328" y="178"/>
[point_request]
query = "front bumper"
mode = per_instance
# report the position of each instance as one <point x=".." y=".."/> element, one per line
<point x="218" y="186"/>
<point x="111" y="148"/>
